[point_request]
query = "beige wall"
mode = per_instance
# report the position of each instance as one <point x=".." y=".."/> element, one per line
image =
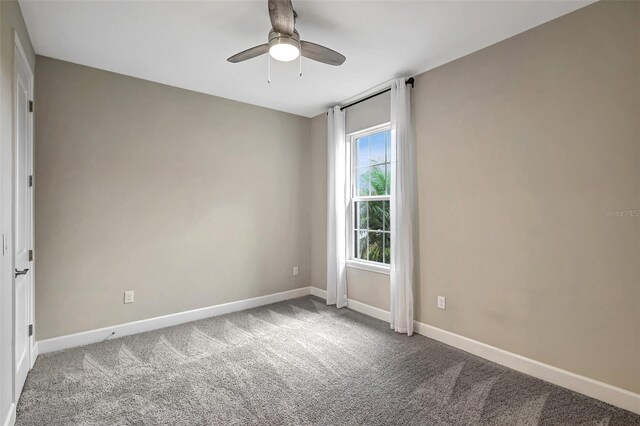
<point x="11" y="22"/>
<point x="522" y="149"/>
<point x="188" y="199"/>
<point x="368" y="287"/>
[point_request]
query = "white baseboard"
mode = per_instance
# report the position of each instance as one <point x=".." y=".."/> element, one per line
<point x="595" y="389"/>
<point x="11" y="416"/>
<point x="319" y="292"/>
<point x="599" y="390"/>
<point x="98" y="335"/>
<point x="372" y="311"/>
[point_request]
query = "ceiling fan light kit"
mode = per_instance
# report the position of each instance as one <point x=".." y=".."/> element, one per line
<point x="283" y="47"/>
<point x="284" y="42"/>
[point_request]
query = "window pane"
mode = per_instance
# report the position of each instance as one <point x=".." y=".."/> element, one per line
<point x="363" y="151"/>
<point x="377" y="143"/>
<point x="371" y="219"/>
<point x="362" y="181"/>
<point x="378" y="180"/>
<point x="387" y="248"/>
<point x="375" y="246"/>
<point x="361" y="215"/>
<point x="376" y="215"/>
<point x="361" y="245"/>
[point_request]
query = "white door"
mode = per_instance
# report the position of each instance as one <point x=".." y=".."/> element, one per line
<point x="23" y="218"/>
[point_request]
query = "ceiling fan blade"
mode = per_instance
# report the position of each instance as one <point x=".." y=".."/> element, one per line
<point x="282" y="16"/>
<point x="249" y="53"/>
<point x="321" y="53"/>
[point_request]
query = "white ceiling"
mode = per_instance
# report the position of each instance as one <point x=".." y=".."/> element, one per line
<point x="186" y="43"/>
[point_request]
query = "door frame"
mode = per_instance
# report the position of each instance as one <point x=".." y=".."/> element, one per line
<point x="20" y="53"/>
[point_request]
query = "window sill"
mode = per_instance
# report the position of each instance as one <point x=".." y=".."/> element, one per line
<point x="369" y="266"/>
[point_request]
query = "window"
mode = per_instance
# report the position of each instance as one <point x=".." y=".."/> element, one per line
<point x="370" y="235"/>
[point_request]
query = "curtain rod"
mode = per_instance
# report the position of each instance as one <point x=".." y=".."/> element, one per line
<point x="410" y="81"/>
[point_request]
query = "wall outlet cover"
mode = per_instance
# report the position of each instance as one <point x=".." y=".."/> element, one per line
<point x="295" y="270"/>
<point x="442" y="302"/>
<point x="128" y="296"/>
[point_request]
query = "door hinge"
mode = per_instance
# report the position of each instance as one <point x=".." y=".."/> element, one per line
<point x="30" y="180"/>
<point x="30" y="330"/>
<point x="30" y="106"/>
<point x="30" y="255"/>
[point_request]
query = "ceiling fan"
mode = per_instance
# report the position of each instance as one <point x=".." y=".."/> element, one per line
<point x="284" y="41"/>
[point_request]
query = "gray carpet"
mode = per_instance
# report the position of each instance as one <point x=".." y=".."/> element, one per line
<point x="297" y="362"/>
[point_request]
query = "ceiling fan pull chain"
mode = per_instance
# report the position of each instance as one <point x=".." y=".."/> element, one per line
<point x="269" y="69"/>
<point x="300" y="57"/>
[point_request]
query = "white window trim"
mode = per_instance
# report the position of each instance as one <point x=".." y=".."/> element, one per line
<point x="378" y="268"/>
<point x="352" y="261"/>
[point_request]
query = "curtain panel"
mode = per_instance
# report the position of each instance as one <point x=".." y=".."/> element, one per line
<point x="403" y="209"/>
<point x="337" y="201"/>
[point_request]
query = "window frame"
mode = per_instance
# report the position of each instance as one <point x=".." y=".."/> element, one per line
<point x="352" y="261"/>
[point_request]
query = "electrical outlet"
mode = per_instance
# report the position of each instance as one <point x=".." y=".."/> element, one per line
<point x="442" y="302"/>
<point x="128" y="296"/>
<point x="295" y="270"/>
